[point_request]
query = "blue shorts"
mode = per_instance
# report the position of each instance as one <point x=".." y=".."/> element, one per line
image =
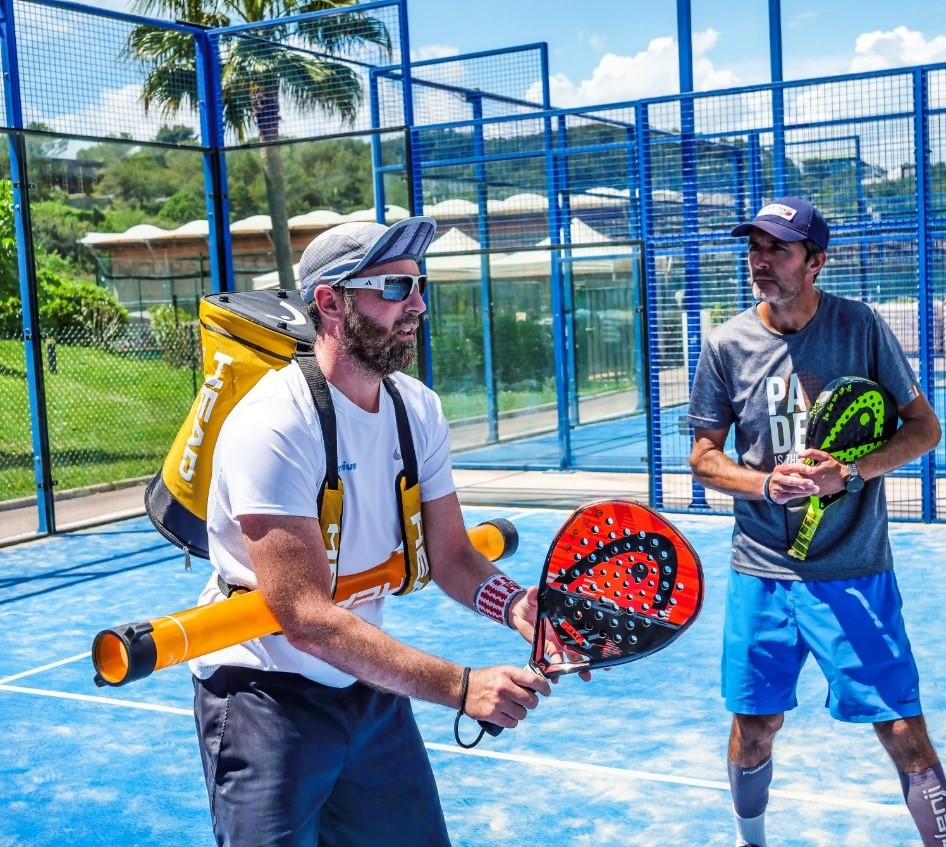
<point x="853" y="628"/>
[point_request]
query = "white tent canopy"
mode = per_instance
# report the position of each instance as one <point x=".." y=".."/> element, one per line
<point x="601" y="258"/>
<point x="453" y="267"/>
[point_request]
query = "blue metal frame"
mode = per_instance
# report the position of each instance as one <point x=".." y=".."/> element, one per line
<point x="217" y="198"/>
<point x="32" y="340"/>
<point x="924" y="267"/>
<point x="645" y="191"/>
<point x="486" y="282"/>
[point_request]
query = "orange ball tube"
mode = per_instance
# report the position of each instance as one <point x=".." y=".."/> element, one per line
<point x="128" y="652"/>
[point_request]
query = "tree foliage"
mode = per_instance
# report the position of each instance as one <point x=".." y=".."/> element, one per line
<point x="260" y="75"/>
<point x="70" y="309"/>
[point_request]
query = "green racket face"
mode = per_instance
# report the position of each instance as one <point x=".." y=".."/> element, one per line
<point x="851" y="417"/>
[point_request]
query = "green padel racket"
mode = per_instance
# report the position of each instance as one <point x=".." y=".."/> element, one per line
<point x="850" y="418"/>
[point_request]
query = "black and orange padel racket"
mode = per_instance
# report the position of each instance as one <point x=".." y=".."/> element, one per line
<point x="850" y="418"/>
<point x="619" y="583"/>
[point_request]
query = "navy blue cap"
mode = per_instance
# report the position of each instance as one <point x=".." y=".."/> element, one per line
<point x="789" y="219"/>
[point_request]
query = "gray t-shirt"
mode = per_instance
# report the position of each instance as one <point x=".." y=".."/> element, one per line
<point x="764" y="383"/>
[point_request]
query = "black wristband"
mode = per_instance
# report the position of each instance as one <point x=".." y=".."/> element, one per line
<point x="464" y="686"/>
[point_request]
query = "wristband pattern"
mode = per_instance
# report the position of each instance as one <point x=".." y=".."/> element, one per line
<point x="495" y="595"/>
<point x="765" y="491"/>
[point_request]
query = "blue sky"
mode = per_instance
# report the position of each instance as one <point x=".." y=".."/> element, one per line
<point x="603" y="51"/>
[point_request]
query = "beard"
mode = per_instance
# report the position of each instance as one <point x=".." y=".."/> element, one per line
<point x="376" y="348"/>
<point x="787" y="289"/>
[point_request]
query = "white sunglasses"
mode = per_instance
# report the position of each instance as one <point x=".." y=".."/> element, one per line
<point x="392" y="286"/>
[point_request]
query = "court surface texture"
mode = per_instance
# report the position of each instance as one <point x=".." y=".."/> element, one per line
<point x="634" y="757"/>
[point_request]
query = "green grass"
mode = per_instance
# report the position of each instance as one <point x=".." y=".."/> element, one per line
<point x="111" y="417"/>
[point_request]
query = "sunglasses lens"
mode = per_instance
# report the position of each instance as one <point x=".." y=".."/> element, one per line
<point x="400" y="287"/>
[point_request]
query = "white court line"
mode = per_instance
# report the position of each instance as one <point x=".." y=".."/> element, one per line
<point x="51" y="665"/>
<point x="108" y="701"/>
<point x="566" y="767"/>
<point x="542" y="762"/>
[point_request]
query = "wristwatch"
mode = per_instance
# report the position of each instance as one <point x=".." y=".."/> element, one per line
<point x="855" y="482"/>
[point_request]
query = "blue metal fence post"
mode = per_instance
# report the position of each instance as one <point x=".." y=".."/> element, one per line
<point x="635" y="232"/>
<point x="692" y="332"/>
<point x="32" y="340"/>
<point x="568" y="292"/>
<point x="924" y="275"/>
<point x="217" y="197"/>
<point x="649" y="325"/>
<point x="778" y="96"/>
<point x="560" y="339"/>
<point x="377" y="162"/>
<point x="486" y="282"/>
<point x="692" y="296"/>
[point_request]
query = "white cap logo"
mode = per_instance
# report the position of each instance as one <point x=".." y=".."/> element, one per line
<point x="778" y="210"/>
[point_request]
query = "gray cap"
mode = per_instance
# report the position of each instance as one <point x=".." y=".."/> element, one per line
<point x="340" y="252"/>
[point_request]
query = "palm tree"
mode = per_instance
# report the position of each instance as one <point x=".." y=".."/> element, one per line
<point x="259" y="73"/>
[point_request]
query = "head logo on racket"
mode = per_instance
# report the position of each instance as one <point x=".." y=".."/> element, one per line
<point x="620" y="582"/>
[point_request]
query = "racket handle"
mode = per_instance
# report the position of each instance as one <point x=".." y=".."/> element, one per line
<point x="491" y="728"/>
<point x="799" y="548"/>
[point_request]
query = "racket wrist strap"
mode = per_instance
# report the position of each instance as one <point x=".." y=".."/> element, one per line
<point x="765" y="491"/>
<point x="464" y="689"/>
<point x="495" y="596"/>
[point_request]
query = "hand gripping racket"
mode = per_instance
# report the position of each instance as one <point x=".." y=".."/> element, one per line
<point x="850" y="418"/>
<point x="619" y="583"/>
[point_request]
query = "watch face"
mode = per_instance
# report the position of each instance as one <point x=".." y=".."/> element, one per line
<point x="854" y="483"/>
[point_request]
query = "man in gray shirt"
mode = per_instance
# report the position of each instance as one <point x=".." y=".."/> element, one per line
<point x="759" y="372"/>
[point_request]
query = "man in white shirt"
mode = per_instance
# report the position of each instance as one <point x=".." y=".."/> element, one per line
<point x="307" y="737"/>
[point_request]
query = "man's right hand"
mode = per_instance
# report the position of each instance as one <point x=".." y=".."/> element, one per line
<point x="503" y="695"/>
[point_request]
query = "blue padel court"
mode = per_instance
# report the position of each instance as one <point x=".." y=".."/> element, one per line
<point x="635" y="757"/>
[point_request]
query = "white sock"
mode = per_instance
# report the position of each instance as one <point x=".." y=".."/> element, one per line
<point x="750" y="831"/>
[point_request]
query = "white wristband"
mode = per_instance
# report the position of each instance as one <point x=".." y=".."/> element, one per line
<point x="495" y="595"/>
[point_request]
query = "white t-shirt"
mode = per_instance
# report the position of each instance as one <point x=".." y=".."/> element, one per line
<point x="269" y="460"/>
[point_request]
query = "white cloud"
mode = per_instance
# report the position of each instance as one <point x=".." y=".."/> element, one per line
<point x="433" y="51"/>
<point x="896" y="48"/>
<point x="117" y="110"/>
<point x="650" y="73"/>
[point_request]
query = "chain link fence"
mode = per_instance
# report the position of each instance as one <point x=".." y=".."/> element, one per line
<point x="113" y="405"/>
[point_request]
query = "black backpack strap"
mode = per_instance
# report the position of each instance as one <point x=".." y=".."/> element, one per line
<point x="331" y="493"/>
<point x="408" y="456"/>
<point x="318" y="385"/>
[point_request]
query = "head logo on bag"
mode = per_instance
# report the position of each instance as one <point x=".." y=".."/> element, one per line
<point x="243" y="336"/>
